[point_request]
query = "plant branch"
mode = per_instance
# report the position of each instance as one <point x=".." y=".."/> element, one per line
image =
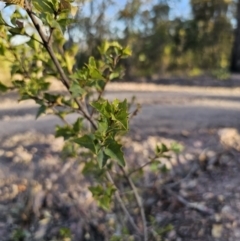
<point x="100" y="93"/>
<point x="120" y="201"/>
<point x="139" y="203"/>
<point x="51" y="35"/>
<point x="135" y="112"/>
<point x="196" y="206"/>
<point x="33" y="38"/>
<point x="102" y="90"/>
<point x="49" y="49"/>
<point x="59" y="68"/>
<point x="145" y="164"/>
<point x="189" y="174"/>
<point x="139" y="168"/>
<point x="26" y="73"/>
<point x="56" y="112"/>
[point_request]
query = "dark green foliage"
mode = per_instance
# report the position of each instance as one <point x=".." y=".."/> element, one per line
<point x="162" y="45"/>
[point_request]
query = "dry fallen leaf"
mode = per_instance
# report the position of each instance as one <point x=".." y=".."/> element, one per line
<point x="217" y="230"/>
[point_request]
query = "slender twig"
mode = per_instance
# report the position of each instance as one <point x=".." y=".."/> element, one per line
<point x="135" y="112"/>
<point x="56" y="112"/>
<point x="197" y="206"/>
<point x="139" y="203"/>
<point x="26" y="73"/>
<point x="139" y="168"/>
<point x="120" y="201"/>
<point x="54" y="109"/>
<point x="52" y="55"/>
<point x="51" y="35"/>
<point x="100" y="93"/>
<point x="7" y="25"/>
<point x="49" y="49"/>
<point x="152" y="159"/>
<point x="102" y="90"/>
<point x="33" y="38"/>
<point x="189" y="174"/>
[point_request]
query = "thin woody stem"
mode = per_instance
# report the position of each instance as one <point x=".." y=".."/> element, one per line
<point x="120" y="201"/>
<point x="139" y="203"/>
<point x="62" y="74"/>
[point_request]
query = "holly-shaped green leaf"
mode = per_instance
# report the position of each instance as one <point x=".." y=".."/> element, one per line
<point x="41" y="110"/>
<point x="76" y="90"/>
<point x="87" y="141"/>
<point x="64" y="131"/>
<point x="114" y="151"/>
<point x="102" y="159"/>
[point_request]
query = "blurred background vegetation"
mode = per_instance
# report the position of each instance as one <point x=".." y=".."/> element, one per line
<point x="202" y="39"/>
<point x="198" y="42"/>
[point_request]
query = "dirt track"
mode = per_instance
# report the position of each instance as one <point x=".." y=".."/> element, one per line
<point x="164" y="108"/>
<point x="205" y="120"/>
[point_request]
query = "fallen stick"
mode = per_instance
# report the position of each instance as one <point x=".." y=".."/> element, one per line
<point x="193" y="205"/>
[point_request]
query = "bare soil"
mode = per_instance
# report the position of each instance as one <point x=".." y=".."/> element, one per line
<point x="199" y="196"/>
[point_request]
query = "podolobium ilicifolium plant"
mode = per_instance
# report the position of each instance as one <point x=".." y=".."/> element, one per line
<point x="43" y="55"/>
<point x="32" y="43"/>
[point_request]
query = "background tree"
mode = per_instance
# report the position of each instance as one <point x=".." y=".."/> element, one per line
<point x="235" y="60"/>
<point x="213" y="32"/>
<point x="163" y="43"/>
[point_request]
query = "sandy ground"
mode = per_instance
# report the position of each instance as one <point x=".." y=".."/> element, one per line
<point x="205" y="120"/>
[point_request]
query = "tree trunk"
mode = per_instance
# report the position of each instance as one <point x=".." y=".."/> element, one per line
<point x="235" y="61"/>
